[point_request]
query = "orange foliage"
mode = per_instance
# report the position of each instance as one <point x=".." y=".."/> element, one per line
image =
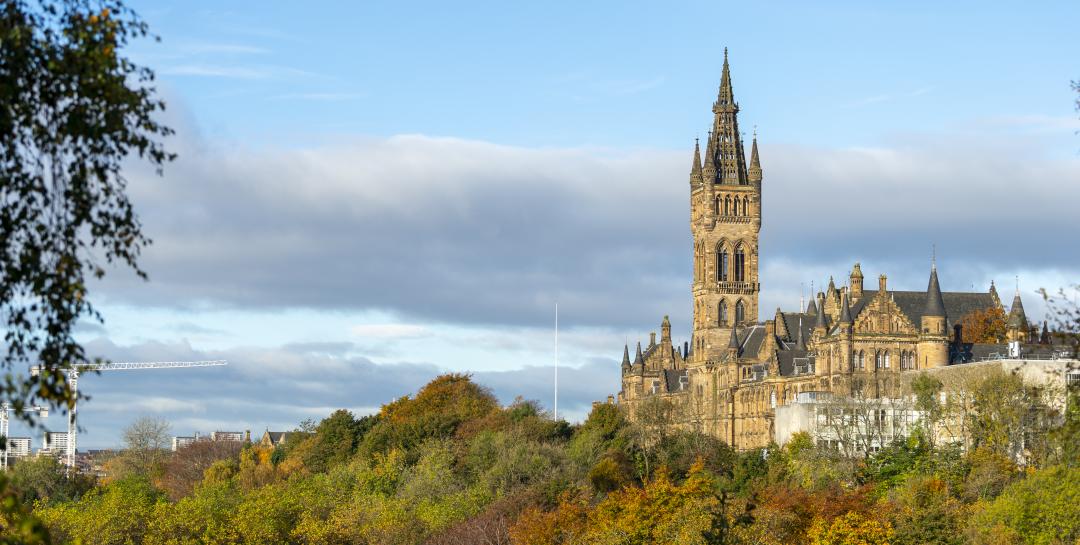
<point x="983" y="326"/>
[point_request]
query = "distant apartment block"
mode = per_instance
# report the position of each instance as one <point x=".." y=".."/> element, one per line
<point x="54" y="443"/>
<point x="181" y="441"/>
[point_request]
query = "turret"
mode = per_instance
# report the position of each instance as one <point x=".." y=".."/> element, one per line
<point x="625" y="359"/>
<point x="733" y="344"/>
<point x="754" y="172"/>
<point x="933" y="337"/>
<point x="665" y="331"/>
<point x="821" y="324"/>
<point x="1017" y="322"/>
<point x="845" y="311"/>
<point x="811" y="308"/>
<point x="695" y="169"/>
<point x="856" y="279"/>
<point x="639" y="362"/>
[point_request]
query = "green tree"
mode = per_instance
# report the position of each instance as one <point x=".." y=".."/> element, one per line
<point x="43" y="478"/>
<point x="73" y="110"/>
<point x="334" y="441"/>
<point x="924" y="512"/>
<point x="1043" y="509"/>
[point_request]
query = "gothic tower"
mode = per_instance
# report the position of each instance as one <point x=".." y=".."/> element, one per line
<point x="725" y="220"/>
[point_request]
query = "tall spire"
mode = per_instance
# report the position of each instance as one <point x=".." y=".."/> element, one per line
<point x="800" y="343"/>
<point x="625" y="357"/>
<point x="695" y="169"/>
<point x="754" y="172"/>
<point x="935" y="305"/>
<point x="638" y="359"/>
<point x="725" y="150"/>
<point x="811" y="307"/>
<point x="726" y="95"/>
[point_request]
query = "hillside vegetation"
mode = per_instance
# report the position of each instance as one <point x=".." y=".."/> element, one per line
<point x="451" y="466"/>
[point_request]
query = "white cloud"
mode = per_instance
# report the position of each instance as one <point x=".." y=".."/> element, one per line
<point x="390" y="331"/>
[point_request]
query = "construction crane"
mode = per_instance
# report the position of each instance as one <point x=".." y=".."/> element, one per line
<point x="73" y="380"/>
<point x="5" y="410"/>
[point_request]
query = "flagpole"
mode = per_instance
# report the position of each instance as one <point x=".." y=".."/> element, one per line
<point x="556" y="362"/>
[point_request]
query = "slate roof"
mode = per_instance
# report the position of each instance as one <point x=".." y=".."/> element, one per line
<point x="791" y="321"/>
<point x="752" y="339"/>
<point x="671" y="378"/>
<point x="934" y="304"/>
<point x="913" y="303"/>
<point x="785" y="359"/>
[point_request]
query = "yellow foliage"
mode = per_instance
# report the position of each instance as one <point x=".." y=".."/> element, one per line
<point x="851" y="528"/>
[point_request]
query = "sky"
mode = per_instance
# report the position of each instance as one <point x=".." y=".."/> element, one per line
<point x="368" y="194"/>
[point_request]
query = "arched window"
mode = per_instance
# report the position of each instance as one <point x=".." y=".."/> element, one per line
<point x="727" y="206"/>
<point x="862" y="360"/>
<point x="745" y="207"/>
<point x="716" y="206"/>
<point x="740" y="312"/>
<point x="722" y="312"/>
<point x="886" y="360"/>
<point x="879" y="360"/>
<point x="722" y="265"/>
<point x="740" y="262"/>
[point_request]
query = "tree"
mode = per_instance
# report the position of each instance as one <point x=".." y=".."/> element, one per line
<point x="187" y="467"/>
<point x="42" y="478"/>
<point x="984" y="326"/>
<point x="146" y="443"/>
<point x="1043" y="509"/>
<point x="1065" y="313"/>
<point x="73" y="109"/>
<point x="850" y="529"/>
<point x="334" y="441"/>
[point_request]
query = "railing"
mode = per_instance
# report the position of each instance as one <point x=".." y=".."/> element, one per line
<point x="731" y="286"/>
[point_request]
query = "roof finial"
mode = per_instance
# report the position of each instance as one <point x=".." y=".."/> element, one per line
<point x="933" y="257"/>
<point x="1018" y="284"/>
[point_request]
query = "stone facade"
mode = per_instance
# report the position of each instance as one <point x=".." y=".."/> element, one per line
<point x="736" y="370"/>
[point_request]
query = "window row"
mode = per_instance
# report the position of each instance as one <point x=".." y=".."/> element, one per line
<point x="731" y="206"/>
<point x="882" y="359"/>
<point x="722" y="312"/>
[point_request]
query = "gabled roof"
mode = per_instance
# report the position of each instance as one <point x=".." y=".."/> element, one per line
<point x="913" y="303"/>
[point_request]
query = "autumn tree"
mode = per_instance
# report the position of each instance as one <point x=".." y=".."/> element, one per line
<point x="984" y="326"/>
<point x="851" y="528"/>
<point x="437" y="411"/>
<point x="187" y="466"/>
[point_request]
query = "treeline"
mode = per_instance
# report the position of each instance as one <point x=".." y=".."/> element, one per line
<point x="451" y="466"/>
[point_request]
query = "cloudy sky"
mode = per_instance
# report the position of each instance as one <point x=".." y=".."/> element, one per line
<point x="371" y="193"/>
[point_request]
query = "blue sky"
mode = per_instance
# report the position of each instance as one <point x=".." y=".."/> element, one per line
<point x="369" y="193"/>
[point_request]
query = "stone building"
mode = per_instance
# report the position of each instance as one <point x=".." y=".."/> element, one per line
<point x="736" y="370"/>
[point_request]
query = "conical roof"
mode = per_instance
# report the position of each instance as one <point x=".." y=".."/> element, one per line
<point x="695" y="169"/>
<point x="638" y="360"/>
<point x="625" y="356"/>
<point x="845" y="310"/>
<point x="733" y="342"/>
<point x="1017" y="317"/>
<point x="811" y="308"/>
<point x="821" y="321"/>
<point x="935" y="304"/>
<point x="800" y="343"/>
